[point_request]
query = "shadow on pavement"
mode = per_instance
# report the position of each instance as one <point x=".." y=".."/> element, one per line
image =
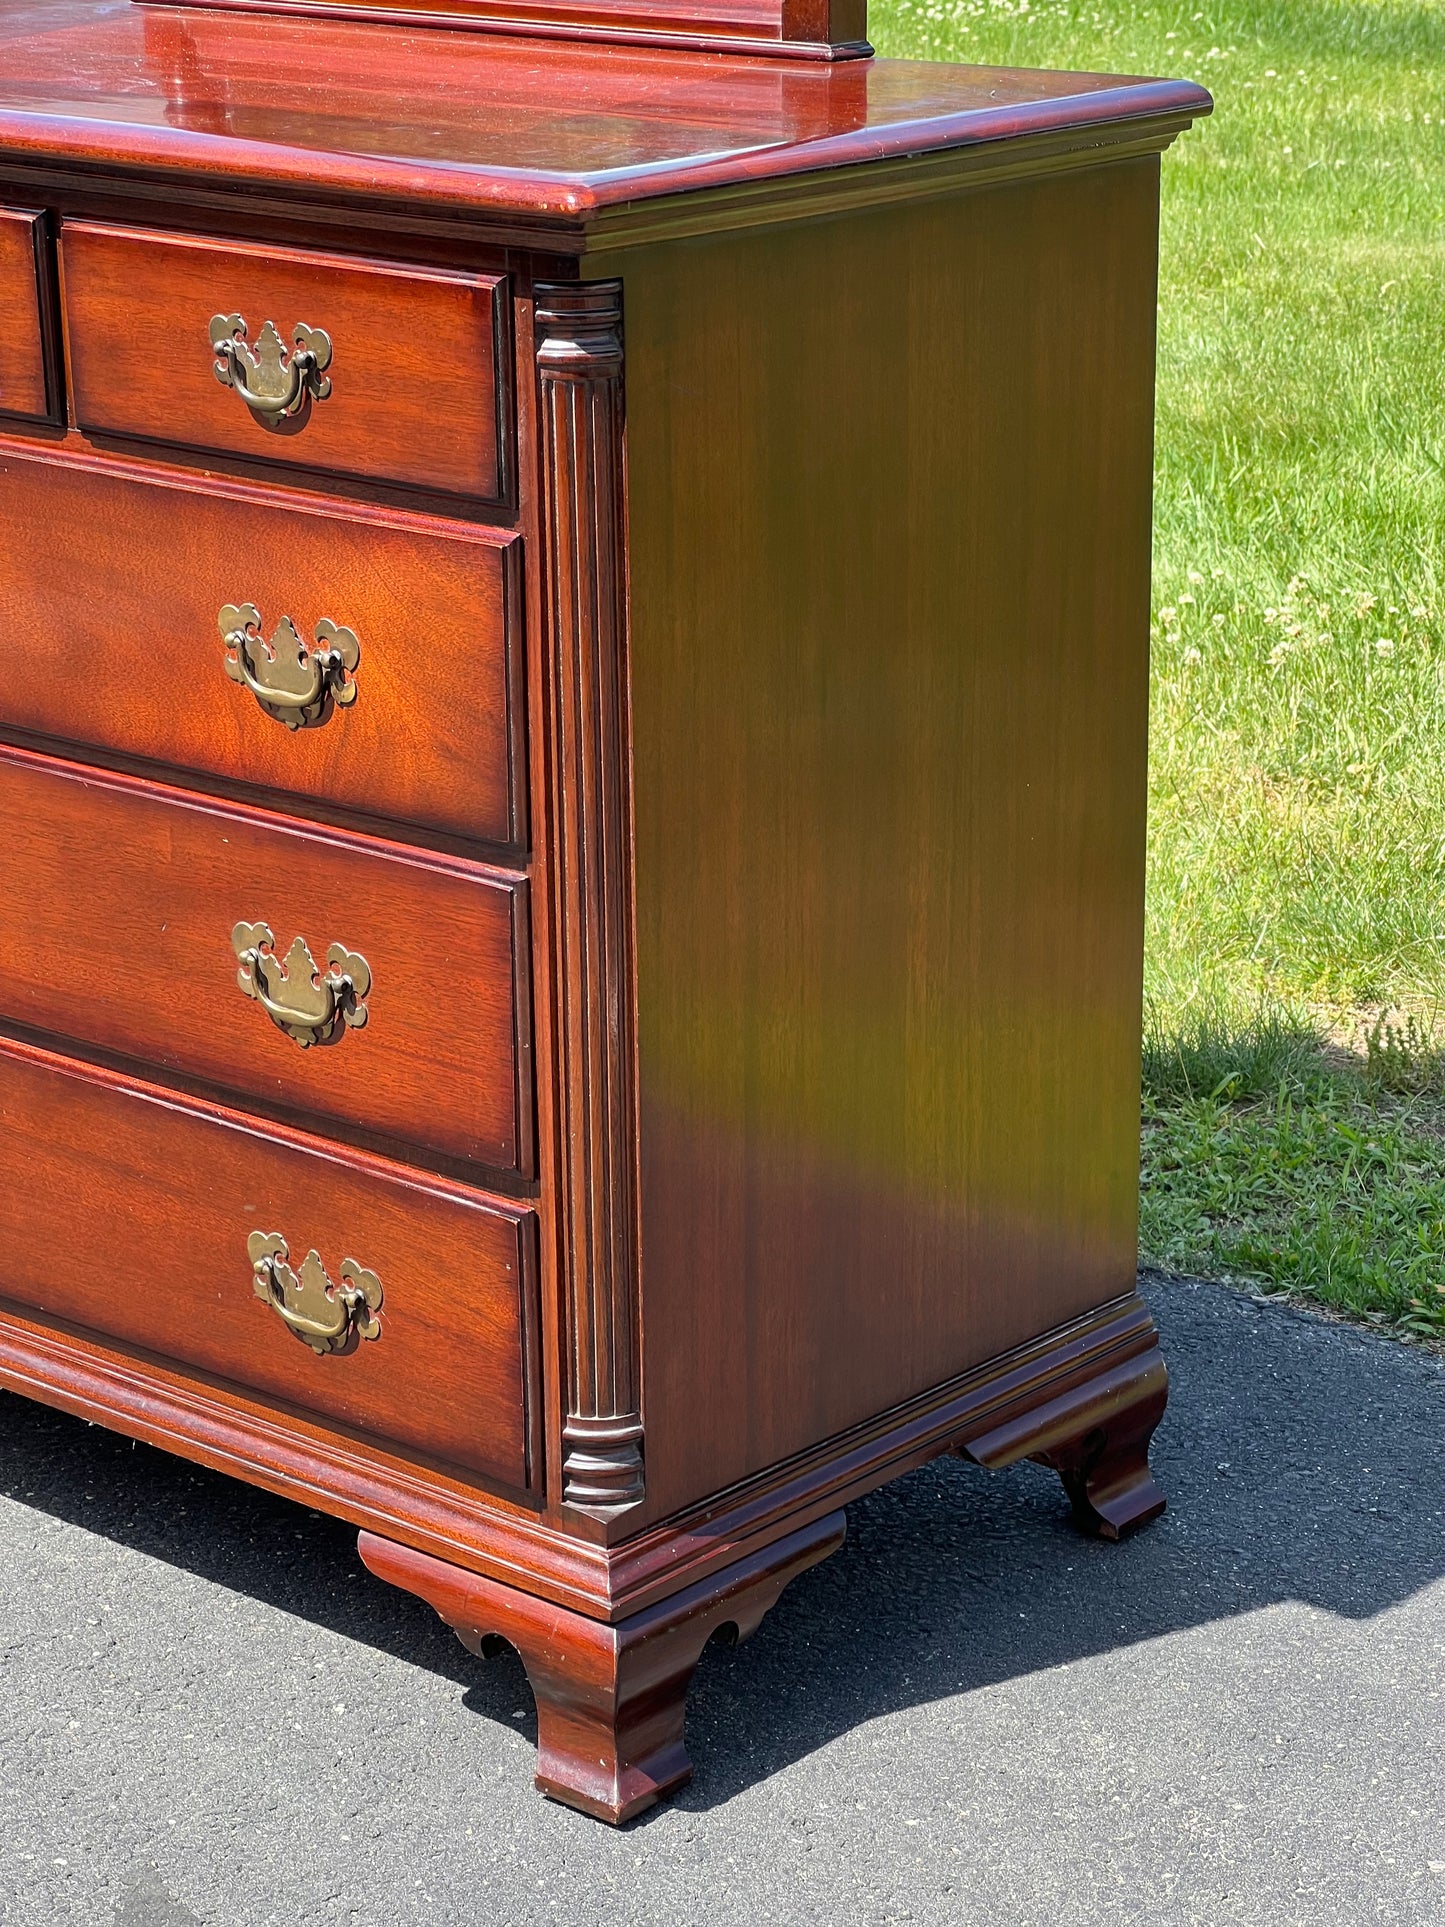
<point x="1301" y="1461"/>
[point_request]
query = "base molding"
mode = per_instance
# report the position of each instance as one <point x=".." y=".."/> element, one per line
<point x="1099" y="1374"/>
<point x="1039" y="1400"/>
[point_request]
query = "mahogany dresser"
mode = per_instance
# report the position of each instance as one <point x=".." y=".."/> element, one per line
<point x="573" y="642"/>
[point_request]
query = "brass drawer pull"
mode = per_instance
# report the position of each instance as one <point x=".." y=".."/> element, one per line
<point x="327" y="1317"/>
<point x="296" y="685"/>
<point x="278" y="390"/>
<point x="311" y="1006"/>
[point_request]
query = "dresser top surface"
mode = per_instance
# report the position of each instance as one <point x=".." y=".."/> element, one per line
<point x="461" y="120"/>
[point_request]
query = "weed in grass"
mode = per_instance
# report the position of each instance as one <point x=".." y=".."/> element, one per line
<point x="1402" y="1057"/>
<point x="1204" y="1056"/>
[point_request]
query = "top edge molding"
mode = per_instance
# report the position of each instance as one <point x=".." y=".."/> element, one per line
<point x="571" y="219"/>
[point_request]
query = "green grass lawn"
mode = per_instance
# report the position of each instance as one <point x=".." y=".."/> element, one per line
<point x="1294" y="1100"/>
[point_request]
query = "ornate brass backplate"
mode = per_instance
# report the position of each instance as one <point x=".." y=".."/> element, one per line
<point x="327" y="1317"/>
<point x="310" y="1005"/>
<point x="296" y="685"/>
<point x="277" y="388"/>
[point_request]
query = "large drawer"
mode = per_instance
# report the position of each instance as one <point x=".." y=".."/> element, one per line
<point x="120" y="903"/>
<point x="23" y="389"/>
<point x="112" y="593"/>
<point x="413" y="358"/>
<point x="132" y="1215"/>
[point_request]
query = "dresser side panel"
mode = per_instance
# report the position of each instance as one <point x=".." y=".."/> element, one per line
<point x="889" y="502"/>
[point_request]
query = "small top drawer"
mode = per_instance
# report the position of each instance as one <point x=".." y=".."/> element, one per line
<point x="348" y="367"/>
<point x="22" y="344"/>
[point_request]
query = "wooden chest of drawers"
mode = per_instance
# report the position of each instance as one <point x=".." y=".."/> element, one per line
<point x="572" y="730"/>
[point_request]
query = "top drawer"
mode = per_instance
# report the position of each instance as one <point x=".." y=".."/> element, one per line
<point x="398" y="378"/>
<point x="22" y="350"/>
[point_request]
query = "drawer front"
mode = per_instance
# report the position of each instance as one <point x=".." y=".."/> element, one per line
<point x="414" y="368"/>
<point x="119" y="907"/>
<point x="117" y="579"/>
<point x="129" y="1214"/>
<point x="22" y="343"/>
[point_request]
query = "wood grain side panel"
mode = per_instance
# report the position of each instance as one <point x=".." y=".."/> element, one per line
<point x="416" y="372"/>
<point x="115" y="576"/>
<point x="23" y="389"/>
<point x="889" y="570"/>
<point x="127" y="1214"/>
<point x="117" y="903"/>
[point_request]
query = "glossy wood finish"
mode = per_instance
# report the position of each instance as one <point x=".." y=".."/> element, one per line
<point x="24" y="389"/>
<point x="418" y="379"/>
<point x="812" y="630"/>
<point x="1106" y="1470"/>
<point x="890" y="575"/>
<point x="800" y="29"/>
<point x="610" y="1698"/>
<point x="548" y="142"/>
<point x="121" y="897"/>
<point x="115" y="575"/>
<point x="126" y="1213"/>
<point x="578" y="333"/>
<point x="1067" y="1382"/>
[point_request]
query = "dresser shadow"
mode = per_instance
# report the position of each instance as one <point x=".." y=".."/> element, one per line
<point x="1300" y="1459"/>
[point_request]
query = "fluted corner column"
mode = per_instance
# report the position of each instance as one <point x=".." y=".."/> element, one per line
<point x="579" y="361"/>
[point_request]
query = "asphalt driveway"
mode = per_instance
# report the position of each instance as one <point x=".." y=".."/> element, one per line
<point x="212" y="1714"/>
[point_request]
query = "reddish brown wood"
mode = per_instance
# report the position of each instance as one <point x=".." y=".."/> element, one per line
<point x="610" y="1698"/>
<point x="323" y="115"/>
<point x="579" y="364"/>
<point x="889" y="653"/>
<point x="986" y="1410"/>
<point x="1106" y="1468"/>
<point x="24" y="389"/>
<point x="116" y="573"/>
<point x="820" y="670"/>
<point x="800" y="29"/>
<point x="132" y="892"/>
<point x="539" y="774"/>
<point x="126" y="1213"/>
<point x="418" y="373"/>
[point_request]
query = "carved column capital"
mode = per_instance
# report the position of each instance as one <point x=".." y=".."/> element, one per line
<point x="578" y="331"/>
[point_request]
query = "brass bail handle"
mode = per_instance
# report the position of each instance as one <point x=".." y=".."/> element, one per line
<point x="329" y="1318"/>
<point x="311" y="1006"/>
<point x="277" y="387"/>
<point x="295" y="685"/>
